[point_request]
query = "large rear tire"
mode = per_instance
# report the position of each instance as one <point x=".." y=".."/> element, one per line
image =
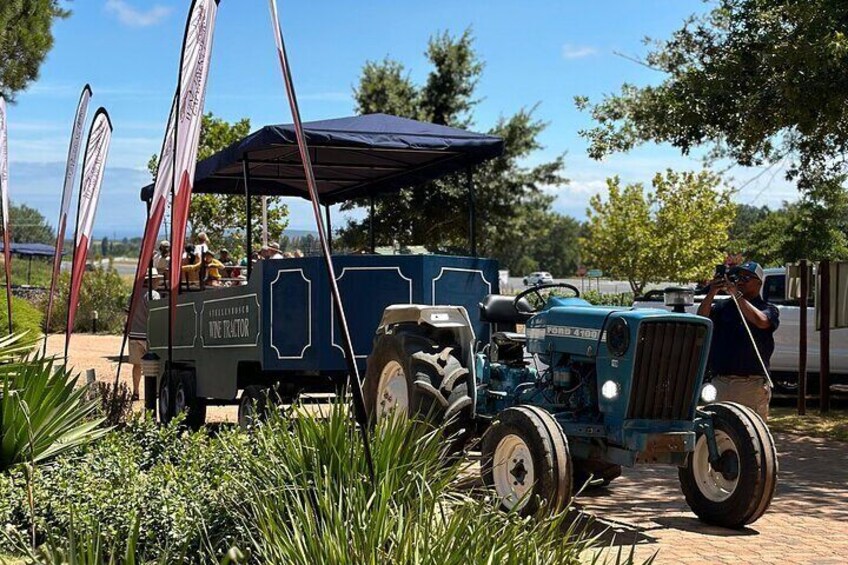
<point x="739" y="488"/>
<point x="525" y="459"/>
<point x="413" y="377"/>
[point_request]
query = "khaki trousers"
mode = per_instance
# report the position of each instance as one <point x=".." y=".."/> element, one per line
<point x="751" y="391"/>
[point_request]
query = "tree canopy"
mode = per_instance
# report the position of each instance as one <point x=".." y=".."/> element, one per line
<point x="28" y="225"/>
<point x="512" y="209"/>
<point x="25" y="39"/>
<point x="677" y="232"/>
<point x="758" y="82"/>
<point x="223" y="216"/>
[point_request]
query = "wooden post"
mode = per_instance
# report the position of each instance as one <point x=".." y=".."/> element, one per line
<point x="802" y="338"/>
<point x="824" y="313"/>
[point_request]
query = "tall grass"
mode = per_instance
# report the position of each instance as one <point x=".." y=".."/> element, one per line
<point x="309" y="499"/>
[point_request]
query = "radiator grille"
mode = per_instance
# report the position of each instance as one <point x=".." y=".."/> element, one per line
<point x="665" y="370"/>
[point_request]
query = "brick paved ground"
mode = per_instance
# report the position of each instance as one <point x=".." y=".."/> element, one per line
<point x="807" y="521"/>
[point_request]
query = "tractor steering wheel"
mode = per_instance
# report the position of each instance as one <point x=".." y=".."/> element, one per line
<point x="535" y="290"/>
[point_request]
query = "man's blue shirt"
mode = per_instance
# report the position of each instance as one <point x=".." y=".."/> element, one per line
<point x="731" y="352"/>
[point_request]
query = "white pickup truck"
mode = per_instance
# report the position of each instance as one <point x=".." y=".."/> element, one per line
<point x="784" y="361"/>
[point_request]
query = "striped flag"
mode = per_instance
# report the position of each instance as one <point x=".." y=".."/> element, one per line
<point x="191" y="95"/>
<point x="67" y="191"/>
<point x="93" y="165"/>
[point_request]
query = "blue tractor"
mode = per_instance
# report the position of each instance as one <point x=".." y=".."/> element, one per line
<point x="583" y="391"/>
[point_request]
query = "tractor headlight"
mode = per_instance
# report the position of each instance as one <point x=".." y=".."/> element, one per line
<point x="709" y="393"/>
<point x="618" y="337"/>
<point x="610" y="390"/>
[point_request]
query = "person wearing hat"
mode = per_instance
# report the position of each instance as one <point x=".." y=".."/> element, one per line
<point x="736" y="370"/>
<point x="162" y="258"/>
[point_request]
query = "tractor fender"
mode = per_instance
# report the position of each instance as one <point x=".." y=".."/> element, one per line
<point x="454" y="318"/>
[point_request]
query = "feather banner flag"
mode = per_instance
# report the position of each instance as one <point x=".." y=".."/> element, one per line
<point x="4" y="201"/>
<point x="67" y="192"/>
<point x="93" y="165"/>
<point x="158" y="203"/>
<point x="191" y="95"/>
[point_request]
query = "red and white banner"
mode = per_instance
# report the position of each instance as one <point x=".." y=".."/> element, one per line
<point x="191" y="95"/>
<point x="67" y="191"/>
<point x="158" y="203"/>
<point x="93" y="165"/>
<point x="4" y="202"/>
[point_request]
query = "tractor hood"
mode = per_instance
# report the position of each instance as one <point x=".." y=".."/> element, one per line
<point x="577" y="328"/>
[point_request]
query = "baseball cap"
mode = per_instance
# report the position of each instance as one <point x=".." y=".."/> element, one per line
<point x="752" y="267"/>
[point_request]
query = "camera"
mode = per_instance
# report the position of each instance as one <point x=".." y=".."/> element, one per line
<point x="732" y="274"/>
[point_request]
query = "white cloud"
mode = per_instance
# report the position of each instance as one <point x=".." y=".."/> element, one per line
<point x="577" y="51"/>
<point x="135" y="17"/>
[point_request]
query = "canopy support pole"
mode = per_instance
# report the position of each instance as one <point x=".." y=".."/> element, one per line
<point x="245" y="167"/>
<point x="29" y="269"/>
<point x="472" y="212"/>
<point x="265" y="221"/>
<point x="329" y="228"/>
<point x="371" y="226"/>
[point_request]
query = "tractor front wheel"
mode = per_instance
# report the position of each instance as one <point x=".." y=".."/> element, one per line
<point x="253" y="406"/>
<point x="525" y="459"/>
<point x="735" y="490"/>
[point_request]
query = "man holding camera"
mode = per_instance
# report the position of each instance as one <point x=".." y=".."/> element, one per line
<point x="738" y="369"/>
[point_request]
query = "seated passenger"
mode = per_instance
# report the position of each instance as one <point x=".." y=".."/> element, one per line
<point x="191" y="267"/>
<point x="214" y="269"/>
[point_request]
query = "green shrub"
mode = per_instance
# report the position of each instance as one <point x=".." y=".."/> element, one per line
<point x="293" y="490"/>
<point x="25" y="317"/>
<point x="103" y="290"/>
<point x="608" y="299"/>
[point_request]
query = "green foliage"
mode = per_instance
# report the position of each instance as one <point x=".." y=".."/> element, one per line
<point x="42" y="413"/>
<point x="608" y="299"/>
<point x="26" y="318"/>
<point x="677" y="232"/>
<point x="511" y="207"/>
<point x="224" y="217"/>
<point x="293" y="490"/>
<point x="103" y="290"/>
<point x="25" y="39"/>
<point x="28" y="225"/>
<point x="760" y="82"/>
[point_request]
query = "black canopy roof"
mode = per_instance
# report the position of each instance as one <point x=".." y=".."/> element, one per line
<point x="31" y="249"/>
<point x="352" y="157"/>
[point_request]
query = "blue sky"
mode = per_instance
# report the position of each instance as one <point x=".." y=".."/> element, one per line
<point x="535" y="51"/>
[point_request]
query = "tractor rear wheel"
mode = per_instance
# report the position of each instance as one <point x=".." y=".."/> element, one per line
<point x="413" y="377"/>
<point x="165" y="399"/>
<point x="738" y="488"/>
<point x="525" y="459"/>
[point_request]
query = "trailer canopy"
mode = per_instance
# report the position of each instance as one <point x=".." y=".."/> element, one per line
<point x="31" y="249"/>
<point x="353" y="157"/>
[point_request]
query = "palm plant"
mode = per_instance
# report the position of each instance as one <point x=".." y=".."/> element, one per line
<point x="42" y="412"/>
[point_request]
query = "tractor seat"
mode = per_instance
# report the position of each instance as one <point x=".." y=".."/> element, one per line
<point x="500" y="309"/>
<point x="505" y="338"/>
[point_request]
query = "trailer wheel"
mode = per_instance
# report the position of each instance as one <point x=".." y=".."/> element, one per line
<point x="253" y="406"/>
<point x="185" y="400"/>
<point x="525" y="459"/>
<point x="738" y="489"/>
<point x="412" y="376"/>
<point x="165" y="398"/>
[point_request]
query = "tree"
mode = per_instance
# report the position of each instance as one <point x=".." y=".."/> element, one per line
<point x="678" y="232"/>
<point x="760" y="82"/>
<point x="28" y="225"/>
<point x="104" y="246"/>
<point x="25" y="39"/>
<point x="222" y="216"/>
<point x="435" y="214"/>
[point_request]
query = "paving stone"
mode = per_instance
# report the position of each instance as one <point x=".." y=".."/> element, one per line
<point x="807" y="522"/>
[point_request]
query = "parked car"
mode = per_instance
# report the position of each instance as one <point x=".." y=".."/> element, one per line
<point x="538" y="277"/>
<point x="784" y="361"/>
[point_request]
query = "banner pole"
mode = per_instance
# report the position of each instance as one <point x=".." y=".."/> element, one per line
<point x="353" y="370"/>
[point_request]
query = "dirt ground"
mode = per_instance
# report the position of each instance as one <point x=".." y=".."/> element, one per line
<point x="101" y="353"/>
